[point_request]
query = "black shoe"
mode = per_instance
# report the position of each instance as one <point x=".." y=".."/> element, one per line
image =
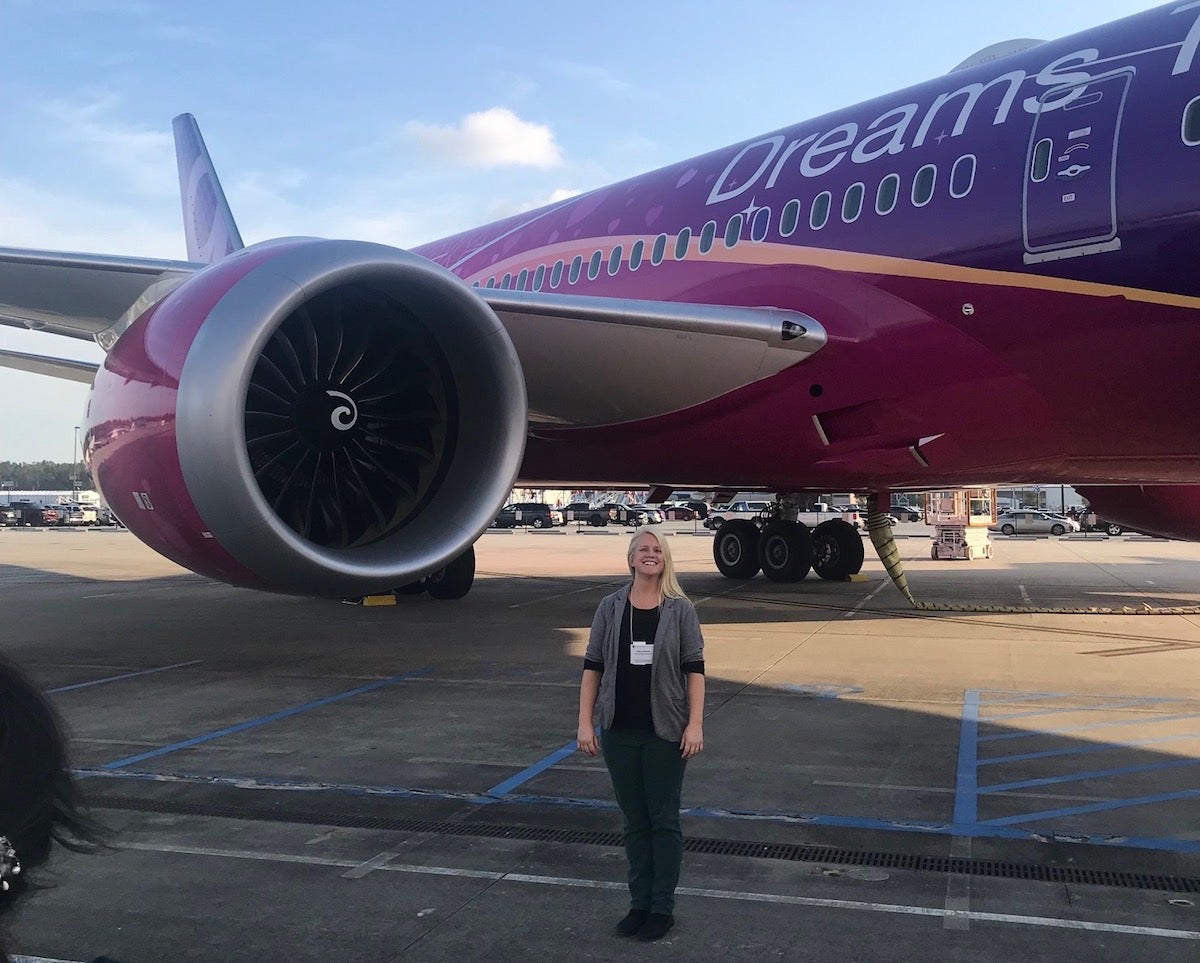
<point x="632" y="922"/>
<point x="657" y="926"/>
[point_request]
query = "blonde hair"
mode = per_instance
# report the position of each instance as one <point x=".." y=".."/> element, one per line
<point x="668" y="584"/>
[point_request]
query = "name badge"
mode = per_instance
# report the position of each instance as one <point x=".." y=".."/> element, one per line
<point x="641" y="653"/>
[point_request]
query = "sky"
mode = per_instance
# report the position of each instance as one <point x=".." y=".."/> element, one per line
<point x="406" y="122"/>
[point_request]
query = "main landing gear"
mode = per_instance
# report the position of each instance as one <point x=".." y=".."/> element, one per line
<point x="785" y="551"/>
<point x="452" y="582"/>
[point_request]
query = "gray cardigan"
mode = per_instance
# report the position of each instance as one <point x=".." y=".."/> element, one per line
<point x="677" y="641"/>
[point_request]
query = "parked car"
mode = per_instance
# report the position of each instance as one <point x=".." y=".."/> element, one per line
<point x="50" y="515"/>
<point x="534" y="514"/>
<point x="21" y="513"/>
<point x="582" y="512"/>
<point x="1091" y="522"/>
<point x="906" y="513"/>
<point x="1033" y="522"/>
<point x="624" y="514"/>
<point x="77" y="514"/>
<point x="739" y="509"/>
<point x="677" y="512"/>
<point x="653" y="516"/>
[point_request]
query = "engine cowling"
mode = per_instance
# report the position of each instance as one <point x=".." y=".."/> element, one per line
<point x="310" y="417"/>
<point x="1172" y="511"/>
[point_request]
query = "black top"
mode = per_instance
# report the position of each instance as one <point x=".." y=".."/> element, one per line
<point x="633" y="681"/>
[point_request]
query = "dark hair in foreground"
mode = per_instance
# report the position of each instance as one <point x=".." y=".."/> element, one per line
<point x="39" y="800"/>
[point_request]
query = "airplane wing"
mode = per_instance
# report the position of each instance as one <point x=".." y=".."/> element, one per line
<point x="87" y="296"/>
<point x="65" y="369"/>
<point x="586" y="360"/>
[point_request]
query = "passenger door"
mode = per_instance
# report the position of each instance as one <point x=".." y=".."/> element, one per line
<point x="1070" y="198"/>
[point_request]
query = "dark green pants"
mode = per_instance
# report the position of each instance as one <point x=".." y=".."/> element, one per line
<point x="647" y="778"/>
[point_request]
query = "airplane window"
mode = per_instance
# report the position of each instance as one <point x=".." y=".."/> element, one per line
<point x="885" y="197"/>
<point x="635" y="255"/>
<point x="539" y="276"/>
<point x="923" y="184"/>
<point x="660" y="249"/>
<point x="474" y="284"/>
<point x="733" y="230"/>
<point x="576" y="267"/>
<point x="853" y="201"/>
<point x="681" y="243"/>
<point x="819" y="214"/>
<point x="706" y="237"/>
<point x="521" y="279"/>
<point x="491" y="282"/>
<point x="1041" y="160"/>
<point x="761" y="224"/>
<point x="556" y="273"/>
<point x="594" y="265"/>
<point x="962" y="176"/>
<point x="789" y="218"/>
<point x="1191" y="123"/>
<point x="614" y="260"/>
<point x="506" y="282"/>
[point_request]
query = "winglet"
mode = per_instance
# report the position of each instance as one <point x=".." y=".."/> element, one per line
<point x="207" y="221"/>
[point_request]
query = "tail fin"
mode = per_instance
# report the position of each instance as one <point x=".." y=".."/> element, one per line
<point x="207" y="220"/>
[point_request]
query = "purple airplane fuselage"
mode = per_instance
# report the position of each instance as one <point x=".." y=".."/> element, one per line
<point x="1003" y="257"/>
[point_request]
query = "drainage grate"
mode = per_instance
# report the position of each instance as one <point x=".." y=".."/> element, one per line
<point x="715" y="847"/>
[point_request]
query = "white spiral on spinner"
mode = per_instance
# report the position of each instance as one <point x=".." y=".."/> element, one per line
<point x="343" y="417"/>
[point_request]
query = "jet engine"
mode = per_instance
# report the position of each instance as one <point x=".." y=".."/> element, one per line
<point x="311" y="417"/>
<point x="1172" y="511"/>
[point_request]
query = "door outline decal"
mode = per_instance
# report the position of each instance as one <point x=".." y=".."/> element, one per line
<point x="1083" y="172"/>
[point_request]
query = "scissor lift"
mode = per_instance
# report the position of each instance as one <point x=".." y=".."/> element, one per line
<point x="960" y="521"/>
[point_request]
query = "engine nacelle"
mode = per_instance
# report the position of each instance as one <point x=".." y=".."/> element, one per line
<point x="311" y="417"/>
<point x="1172" y="511"/>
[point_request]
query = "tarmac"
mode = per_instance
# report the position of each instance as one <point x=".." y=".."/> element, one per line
<point x="302" y="779"/>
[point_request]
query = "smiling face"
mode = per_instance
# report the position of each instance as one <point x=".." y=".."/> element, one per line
<point x="646" y="556"/>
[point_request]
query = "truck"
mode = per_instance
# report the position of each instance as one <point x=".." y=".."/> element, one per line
<point x="760" y="510"/>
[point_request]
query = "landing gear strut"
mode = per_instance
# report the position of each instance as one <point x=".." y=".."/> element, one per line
<point x="452" y="582"/>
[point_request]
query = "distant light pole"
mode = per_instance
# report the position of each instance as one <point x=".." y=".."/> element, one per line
<point x="75" y="463"/>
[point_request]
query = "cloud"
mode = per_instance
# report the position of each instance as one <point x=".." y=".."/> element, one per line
<point x="146" y="158"/>
<point x="489" y="138"/>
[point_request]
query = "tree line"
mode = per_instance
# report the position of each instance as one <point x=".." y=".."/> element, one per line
<point x="43" y="476"/>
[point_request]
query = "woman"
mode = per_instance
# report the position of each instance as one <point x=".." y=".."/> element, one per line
<point x="643" y="684"/>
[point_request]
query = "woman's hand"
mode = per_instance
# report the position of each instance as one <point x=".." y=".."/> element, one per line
<point x="586" y="737"/>
<point x="692" y="741"/>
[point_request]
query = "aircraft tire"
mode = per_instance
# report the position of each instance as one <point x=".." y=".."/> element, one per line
<point x="412" y="588"/>
<point x="837" y="550"/>
<point x="455" y="580"/>
<point x="785" y="551"/>
<point x="735" y="549"/>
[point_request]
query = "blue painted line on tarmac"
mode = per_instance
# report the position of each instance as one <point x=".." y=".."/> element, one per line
<point x="1136" y="721"/>
<point x="1081" y="776"/>
<point x="974" y="829"/>
<point x="1093" y="808"/>
<point x="1088" y="750"/>
<point x="1099" y="707"/>
<point x="118" y="678"/>
<point x="261" y="721"/>
<point x="504" y="788"/>
<point x="966" y="780"/>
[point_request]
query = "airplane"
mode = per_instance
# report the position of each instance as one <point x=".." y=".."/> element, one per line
<point x="988" y="278"/>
